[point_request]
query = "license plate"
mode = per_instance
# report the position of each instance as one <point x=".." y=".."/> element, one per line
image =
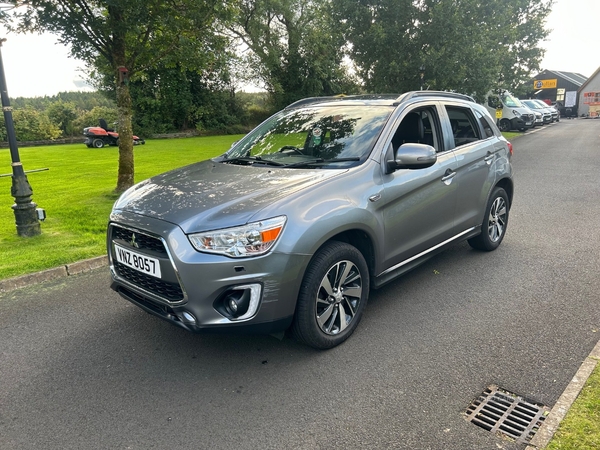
<point x="527" y="123"/>
<point x="137" y="261"/>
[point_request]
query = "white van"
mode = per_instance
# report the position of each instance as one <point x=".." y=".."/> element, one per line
<point x="509" y="112"/>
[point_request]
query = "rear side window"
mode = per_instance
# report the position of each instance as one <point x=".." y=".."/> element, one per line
<point x="464" y="126"/>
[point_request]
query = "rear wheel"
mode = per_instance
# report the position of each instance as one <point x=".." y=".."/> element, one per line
<point x="332" y="297"/>
<point x="494" y="223"/>
<point x="98" y="143"/>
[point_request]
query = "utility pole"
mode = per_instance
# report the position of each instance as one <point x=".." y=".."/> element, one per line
<point x="26" y="215"/>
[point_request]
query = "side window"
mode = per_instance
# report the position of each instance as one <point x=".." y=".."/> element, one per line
<point x="487" y="129"/>
<point x="419" y="127"/>
<point x="464" y="126"/>
<point x="494" y="102"/>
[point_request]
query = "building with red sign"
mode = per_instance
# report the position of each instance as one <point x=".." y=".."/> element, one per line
<point x="589" y="96"/>
<point x="558" y="87"/>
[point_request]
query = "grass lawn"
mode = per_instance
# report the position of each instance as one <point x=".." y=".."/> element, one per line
<point x="77" y="194"/>
<point x="580" y="429"/>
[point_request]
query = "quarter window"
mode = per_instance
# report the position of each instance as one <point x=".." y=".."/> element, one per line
<point x="487" y="128"/>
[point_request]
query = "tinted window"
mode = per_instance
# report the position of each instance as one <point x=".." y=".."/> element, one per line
<point x="464" y="126"/>
<point x="487" y="128"/>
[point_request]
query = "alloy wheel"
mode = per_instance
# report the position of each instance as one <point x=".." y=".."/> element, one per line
<point x="338" y="297"/>
<point x="497" y="219"/>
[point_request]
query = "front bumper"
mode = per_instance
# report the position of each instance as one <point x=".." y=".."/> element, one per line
<point x="193" y="286"/>
<point x="520" y="123"/>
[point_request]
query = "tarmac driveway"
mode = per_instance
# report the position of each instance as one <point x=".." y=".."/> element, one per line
<point x="82" y="368"/>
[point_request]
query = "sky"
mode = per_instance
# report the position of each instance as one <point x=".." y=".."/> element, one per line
<point x="36" y="65"/>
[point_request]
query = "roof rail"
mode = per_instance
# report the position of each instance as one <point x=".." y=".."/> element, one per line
<point x="437" y="94"/>
<point x="309" y="100"/>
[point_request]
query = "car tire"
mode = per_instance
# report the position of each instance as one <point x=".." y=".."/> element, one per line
<point x="504" y="125"/>
<point x="494" y="223"/>
<point x="98" y="143"/>
<point x="325" y="316"/>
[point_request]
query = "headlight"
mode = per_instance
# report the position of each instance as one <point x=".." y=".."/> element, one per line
<point x="516" y="113"/>
<point x="253" y="239"/>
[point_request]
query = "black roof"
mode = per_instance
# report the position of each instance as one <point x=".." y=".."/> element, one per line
<point x="573" y="77"/>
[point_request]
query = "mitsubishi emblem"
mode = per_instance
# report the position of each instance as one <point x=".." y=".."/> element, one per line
<point x="133" y="242"/>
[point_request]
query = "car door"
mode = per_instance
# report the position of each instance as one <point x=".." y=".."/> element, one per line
<point x="418" y="205"/>
<point x="476" y="148"/>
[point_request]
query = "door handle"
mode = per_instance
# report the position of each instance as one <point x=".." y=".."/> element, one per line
<point x="488" y="158"/>
<point x="448" y="175"/>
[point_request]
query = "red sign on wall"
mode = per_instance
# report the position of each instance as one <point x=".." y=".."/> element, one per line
<point x="591" y="98"/>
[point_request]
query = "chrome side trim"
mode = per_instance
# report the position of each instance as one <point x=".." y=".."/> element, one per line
<point x="136" y="287"/>
<point x="441" y="244"/>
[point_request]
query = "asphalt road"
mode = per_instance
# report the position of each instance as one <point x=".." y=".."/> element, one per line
<point x="80" y="368"/>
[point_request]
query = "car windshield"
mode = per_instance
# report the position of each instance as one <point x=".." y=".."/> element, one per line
<point x="312" y="136"/>
<point x="510" y="101"/>
<point x="541" y="103"/>
<point x="531" y="105"/>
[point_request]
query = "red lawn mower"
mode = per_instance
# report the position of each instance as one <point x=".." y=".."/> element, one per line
<point x="100" y="136"/>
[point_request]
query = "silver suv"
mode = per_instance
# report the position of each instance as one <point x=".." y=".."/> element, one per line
<point x="297" y="221"/>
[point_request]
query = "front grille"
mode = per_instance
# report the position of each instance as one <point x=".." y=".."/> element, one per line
<point x="143" y="241"/>
<point x="170" y="291"/>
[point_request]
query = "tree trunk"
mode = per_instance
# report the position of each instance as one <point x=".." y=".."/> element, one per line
<point x="125" y="177"/>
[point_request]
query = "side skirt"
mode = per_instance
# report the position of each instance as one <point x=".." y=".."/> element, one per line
<point x="401" y="268"/>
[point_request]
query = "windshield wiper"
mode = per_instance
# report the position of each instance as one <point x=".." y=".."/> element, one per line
<point x="251" y="160"/>
<point x="321" y="161"/>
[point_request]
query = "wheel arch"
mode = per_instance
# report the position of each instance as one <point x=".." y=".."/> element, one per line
<point x="361" y="240"/>
<point x="507" y="185"/>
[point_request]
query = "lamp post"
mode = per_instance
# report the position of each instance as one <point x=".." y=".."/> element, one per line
<point x="26" y="216"/>
<point x="422" y="74"/>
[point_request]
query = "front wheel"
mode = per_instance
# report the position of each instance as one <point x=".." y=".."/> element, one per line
<point x="98" y="143"/>
<point x="504" y="125"/>
<point x="333" y="296"/>
<point x="494" y="224"/>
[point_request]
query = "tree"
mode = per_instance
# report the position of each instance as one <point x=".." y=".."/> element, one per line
<point x="294" y="49"/>
<point x="30" y="125"/>
<point x="126" y="38"/>
<point x="468" y="46"/>
<point x="62" y="115"/>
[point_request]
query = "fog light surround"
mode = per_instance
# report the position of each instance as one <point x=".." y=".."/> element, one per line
<point x="239" y="303"/>
<point x="188" y="317"/>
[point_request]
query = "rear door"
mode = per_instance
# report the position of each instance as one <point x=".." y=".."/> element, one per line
<point x="476" y="148"/>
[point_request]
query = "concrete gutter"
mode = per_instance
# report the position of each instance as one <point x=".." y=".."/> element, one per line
<point x="546" y="432"/>
<point x="86" y="265"/>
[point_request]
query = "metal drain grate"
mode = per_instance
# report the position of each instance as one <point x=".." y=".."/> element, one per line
<point x="499" y="411"/>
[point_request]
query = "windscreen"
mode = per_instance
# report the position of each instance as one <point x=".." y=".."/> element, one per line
<point x="324" y="133"/>
<point x="510" y="101"/>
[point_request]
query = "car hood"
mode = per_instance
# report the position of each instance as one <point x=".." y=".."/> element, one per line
<point x="209" y="195"/>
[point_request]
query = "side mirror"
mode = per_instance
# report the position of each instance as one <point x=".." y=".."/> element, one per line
<point x="412" y="156"/>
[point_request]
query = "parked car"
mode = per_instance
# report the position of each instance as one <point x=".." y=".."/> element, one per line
<point x="539" y="118"/>
<point x="549" y="108"/>
<point x="510" y="113"/>
<point x="300" y="219"/>
<point x="535" y="106"/>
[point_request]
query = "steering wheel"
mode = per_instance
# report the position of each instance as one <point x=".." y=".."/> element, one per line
<point x="292" y="148"/>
